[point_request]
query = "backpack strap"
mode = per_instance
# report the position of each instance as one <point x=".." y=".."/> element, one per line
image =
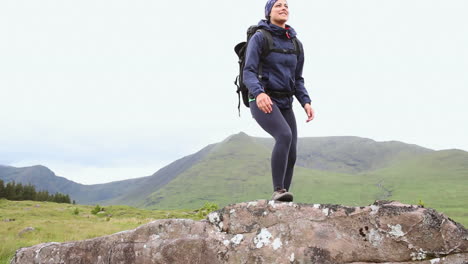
<point x="267" y="48"/>
<point x="297" y="46"/>
<point x="269" y="42"/>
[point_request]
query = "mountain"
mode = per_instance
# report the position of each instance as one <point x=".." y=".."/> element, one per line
<point x="45" y="179"/>
<point x="341" y="170"/>
<point x="118" y="192"/>
<point x="143" y="187"/>
<point x="348" y="154"/>
<point x="39" y="176"/>
<point x="238" y="169"/>
<point x="235" y="169"/>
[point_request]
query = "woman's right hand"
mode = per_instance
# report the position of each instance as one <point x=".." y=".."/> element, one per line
<point x="264" y="103"/>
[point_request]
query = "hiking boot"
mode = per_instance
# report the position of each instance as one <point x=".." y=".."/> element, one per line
<point x="282" y="196"/>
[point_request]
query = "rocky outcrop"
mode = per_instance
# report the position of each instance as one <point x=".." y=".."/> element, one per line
<point x="271" y="232"/>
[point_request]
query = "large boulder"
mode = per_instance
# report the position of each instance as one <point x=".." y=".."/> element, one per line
<point x="273" y="232"/>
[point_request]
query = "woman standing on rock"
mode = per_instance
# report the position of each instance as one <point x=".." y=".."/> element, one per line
<point x="273" y="79"/>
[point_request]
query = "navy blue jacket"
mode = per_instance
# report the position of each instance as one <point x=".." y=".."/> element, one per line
<point x="281" y="72"/>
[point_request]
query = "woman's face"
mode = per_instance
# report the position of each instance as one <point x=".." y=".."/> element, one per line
<point x="280" y="12"/>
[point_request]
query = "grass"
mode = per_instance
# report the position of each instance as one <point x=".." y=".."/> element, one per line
<point x="236" y="173"/>
<point x="439" y="179"/>
<point x="53" y="222"/>
<point x="231" y="173"/>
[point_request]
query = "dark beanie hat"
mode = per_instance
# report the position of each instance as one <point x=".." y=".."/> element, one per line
<point x="268" y="7"/>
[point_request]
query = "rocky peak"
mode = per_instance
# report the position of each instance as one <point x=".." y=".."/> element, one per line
<point x="270" y="232"/>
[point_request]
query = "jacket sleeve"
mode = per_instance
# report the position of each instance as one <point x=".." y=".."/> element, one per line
<point x="301" y="92"/>
<point x="252" y="60"/>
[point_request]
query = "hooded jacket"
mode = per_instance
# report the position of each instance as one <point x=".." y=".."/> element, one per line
<point x="281" y="72"/>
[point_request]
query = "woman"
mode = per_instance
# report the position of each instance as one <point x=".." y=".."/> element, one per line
<point x="271" y="93"/>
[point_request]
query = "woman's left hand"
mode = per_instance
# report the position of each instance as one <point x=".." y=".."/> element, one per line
<point x="310" y="112"/>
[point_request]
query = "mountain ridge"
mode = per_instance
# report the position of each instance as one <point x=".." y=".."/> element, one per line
<point x="342" y="170"/>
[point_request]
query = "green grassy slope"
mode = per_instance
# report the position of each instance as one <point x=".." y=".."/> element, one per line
<point x="313" y="186"/>
<point x="340" y="170"/>
<point x="439" y="179"/>
<point x="238" y="170"/>
<point x="148" y="185"/>
<point x="348" y="154"/>
<point x="337" y="154"/>
<point x="53" y="222"/>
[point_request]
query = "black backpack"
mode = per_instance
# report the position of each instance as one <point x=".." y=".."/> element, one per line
<point x="240" y="50"/>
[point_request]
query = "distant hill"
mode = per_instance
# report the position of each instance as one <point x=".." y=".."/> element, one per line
<point x="39" y="176"/>
<point x="118" y="192"/>
<point x="143" y="187"/>
<point x="238" y="169"/>
<point x="341" y="170"/>
<point x="348" y="154"/>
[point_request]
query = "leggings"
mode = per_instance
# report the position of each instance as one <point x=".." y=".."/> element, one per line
<point x="281" y="125"/>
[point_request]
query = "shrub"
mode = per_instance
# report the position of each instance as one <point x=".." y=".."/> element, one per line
<point x="206" y="209"/>
<point x="421" y="203"/>
<point x="96" y="209"/>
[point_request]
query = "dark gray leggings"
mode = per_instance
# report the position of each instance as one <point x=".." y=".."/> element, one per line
<point x="281" y="125"/>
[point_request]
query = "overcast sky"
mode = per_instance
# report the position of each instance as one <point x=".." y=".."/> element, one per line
<point x="104" y="90"/>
